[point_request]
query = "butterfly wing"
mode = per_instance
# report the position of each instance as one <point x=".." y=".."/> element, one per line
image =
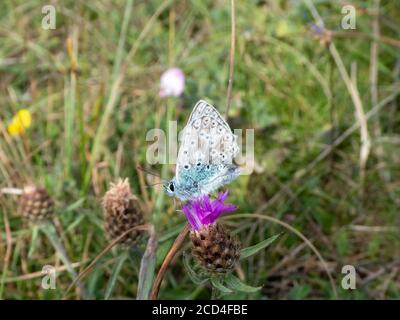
<point x="207" y="149"/>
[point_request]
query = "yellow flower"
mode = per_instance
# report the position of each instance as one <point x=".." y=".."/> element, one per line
<point x="282" y="28"/>
<point x="21" y="121"/>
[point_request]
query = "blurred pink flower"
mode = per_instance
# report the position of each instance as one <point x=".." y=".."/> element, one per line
<point x="172" y="83"/>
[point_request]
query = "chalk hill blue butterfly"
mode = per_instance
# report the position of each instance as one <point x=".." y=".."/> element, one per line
<point x="205" y="155"/>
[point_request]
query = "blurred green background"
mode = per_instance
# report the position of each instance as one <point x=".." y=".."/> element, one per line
<point x="91" y="86"/>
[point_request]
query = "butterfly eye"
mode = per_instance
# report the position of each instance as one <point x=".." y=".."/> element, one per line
<point x="171" y="187"/>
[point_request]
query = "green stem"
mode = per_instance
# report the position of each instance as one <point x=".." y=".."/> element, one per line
<point x="3" y="279"/>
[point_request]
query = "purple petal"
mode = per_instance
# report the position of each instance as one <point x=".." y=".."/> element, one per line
<point x="229" y="208"/>
<point x="207" y="205"/>
<point x="208" y="219"/>
<point x="192" y="217"/>
<point x="204" y="211"/>
<point x="222" y="209"/>
<point x="197" y="208"/>
<point x="220" y="199"/>
<point x="222" y="196"/>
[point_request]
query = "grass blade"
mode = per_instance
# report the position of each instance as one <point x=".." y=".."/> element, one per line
<point x="112" y="99"/>
<point x="51" y="233"/>
<point x="114" y="275"/>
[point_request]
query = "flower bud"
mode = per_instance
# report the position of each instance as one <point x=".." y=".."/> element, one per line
<point x="36" y="204"/>
<point x="172" y="83"/>
<point x="216" y="248"/>
<point x="122" y="211"/>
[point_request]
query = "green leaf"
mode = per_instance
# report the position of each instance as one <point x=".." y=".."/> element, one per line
<point x="237" y="285"/>
<point x="147" y="269"/>
<point x="342" y="243"/>
<point x="34" y="241"/>
<point x="172" y="232"/>
<point x="193" y="275"/>
<point x="114" y="275"/>
<point x="299" y="292"/>
<point x="217" y="283"/>
<point x="77" y="222"/>
<point x="249" y="251"/>
<point x="162" y="250"/>
<point x="76" y="205"/>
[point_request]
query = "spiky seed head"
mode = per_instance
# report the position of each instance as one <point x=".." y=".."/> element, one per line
<point x="216" y="248"/>
<point x="122" y="211"/>
<point x="36" y="204"/>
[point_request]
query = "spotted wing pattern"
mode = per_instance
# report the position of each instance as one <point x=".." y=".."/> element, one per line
<point x="206" y="139"/>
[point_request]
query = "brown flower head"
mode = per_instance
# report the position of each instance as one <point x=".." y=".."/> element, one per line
<point x="36" y="204"/>
<point x="122" y="211"/>
<point x="216" y="248"/>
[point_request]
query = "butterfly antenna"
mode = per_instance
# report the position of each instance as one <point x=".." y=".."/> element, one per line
<point x="154" y="184"/>
<point x="153" y="174"/>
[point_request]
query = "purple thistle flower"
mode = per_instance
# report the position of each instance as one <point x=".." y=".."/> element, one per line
<point x="204" y="211"/>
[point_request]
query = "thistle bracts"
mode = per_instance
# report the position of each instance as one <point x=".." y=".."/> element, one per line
<point x="122" y="211"/>
<point x="215" y="248"/>
<point x="36" y="204"/>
